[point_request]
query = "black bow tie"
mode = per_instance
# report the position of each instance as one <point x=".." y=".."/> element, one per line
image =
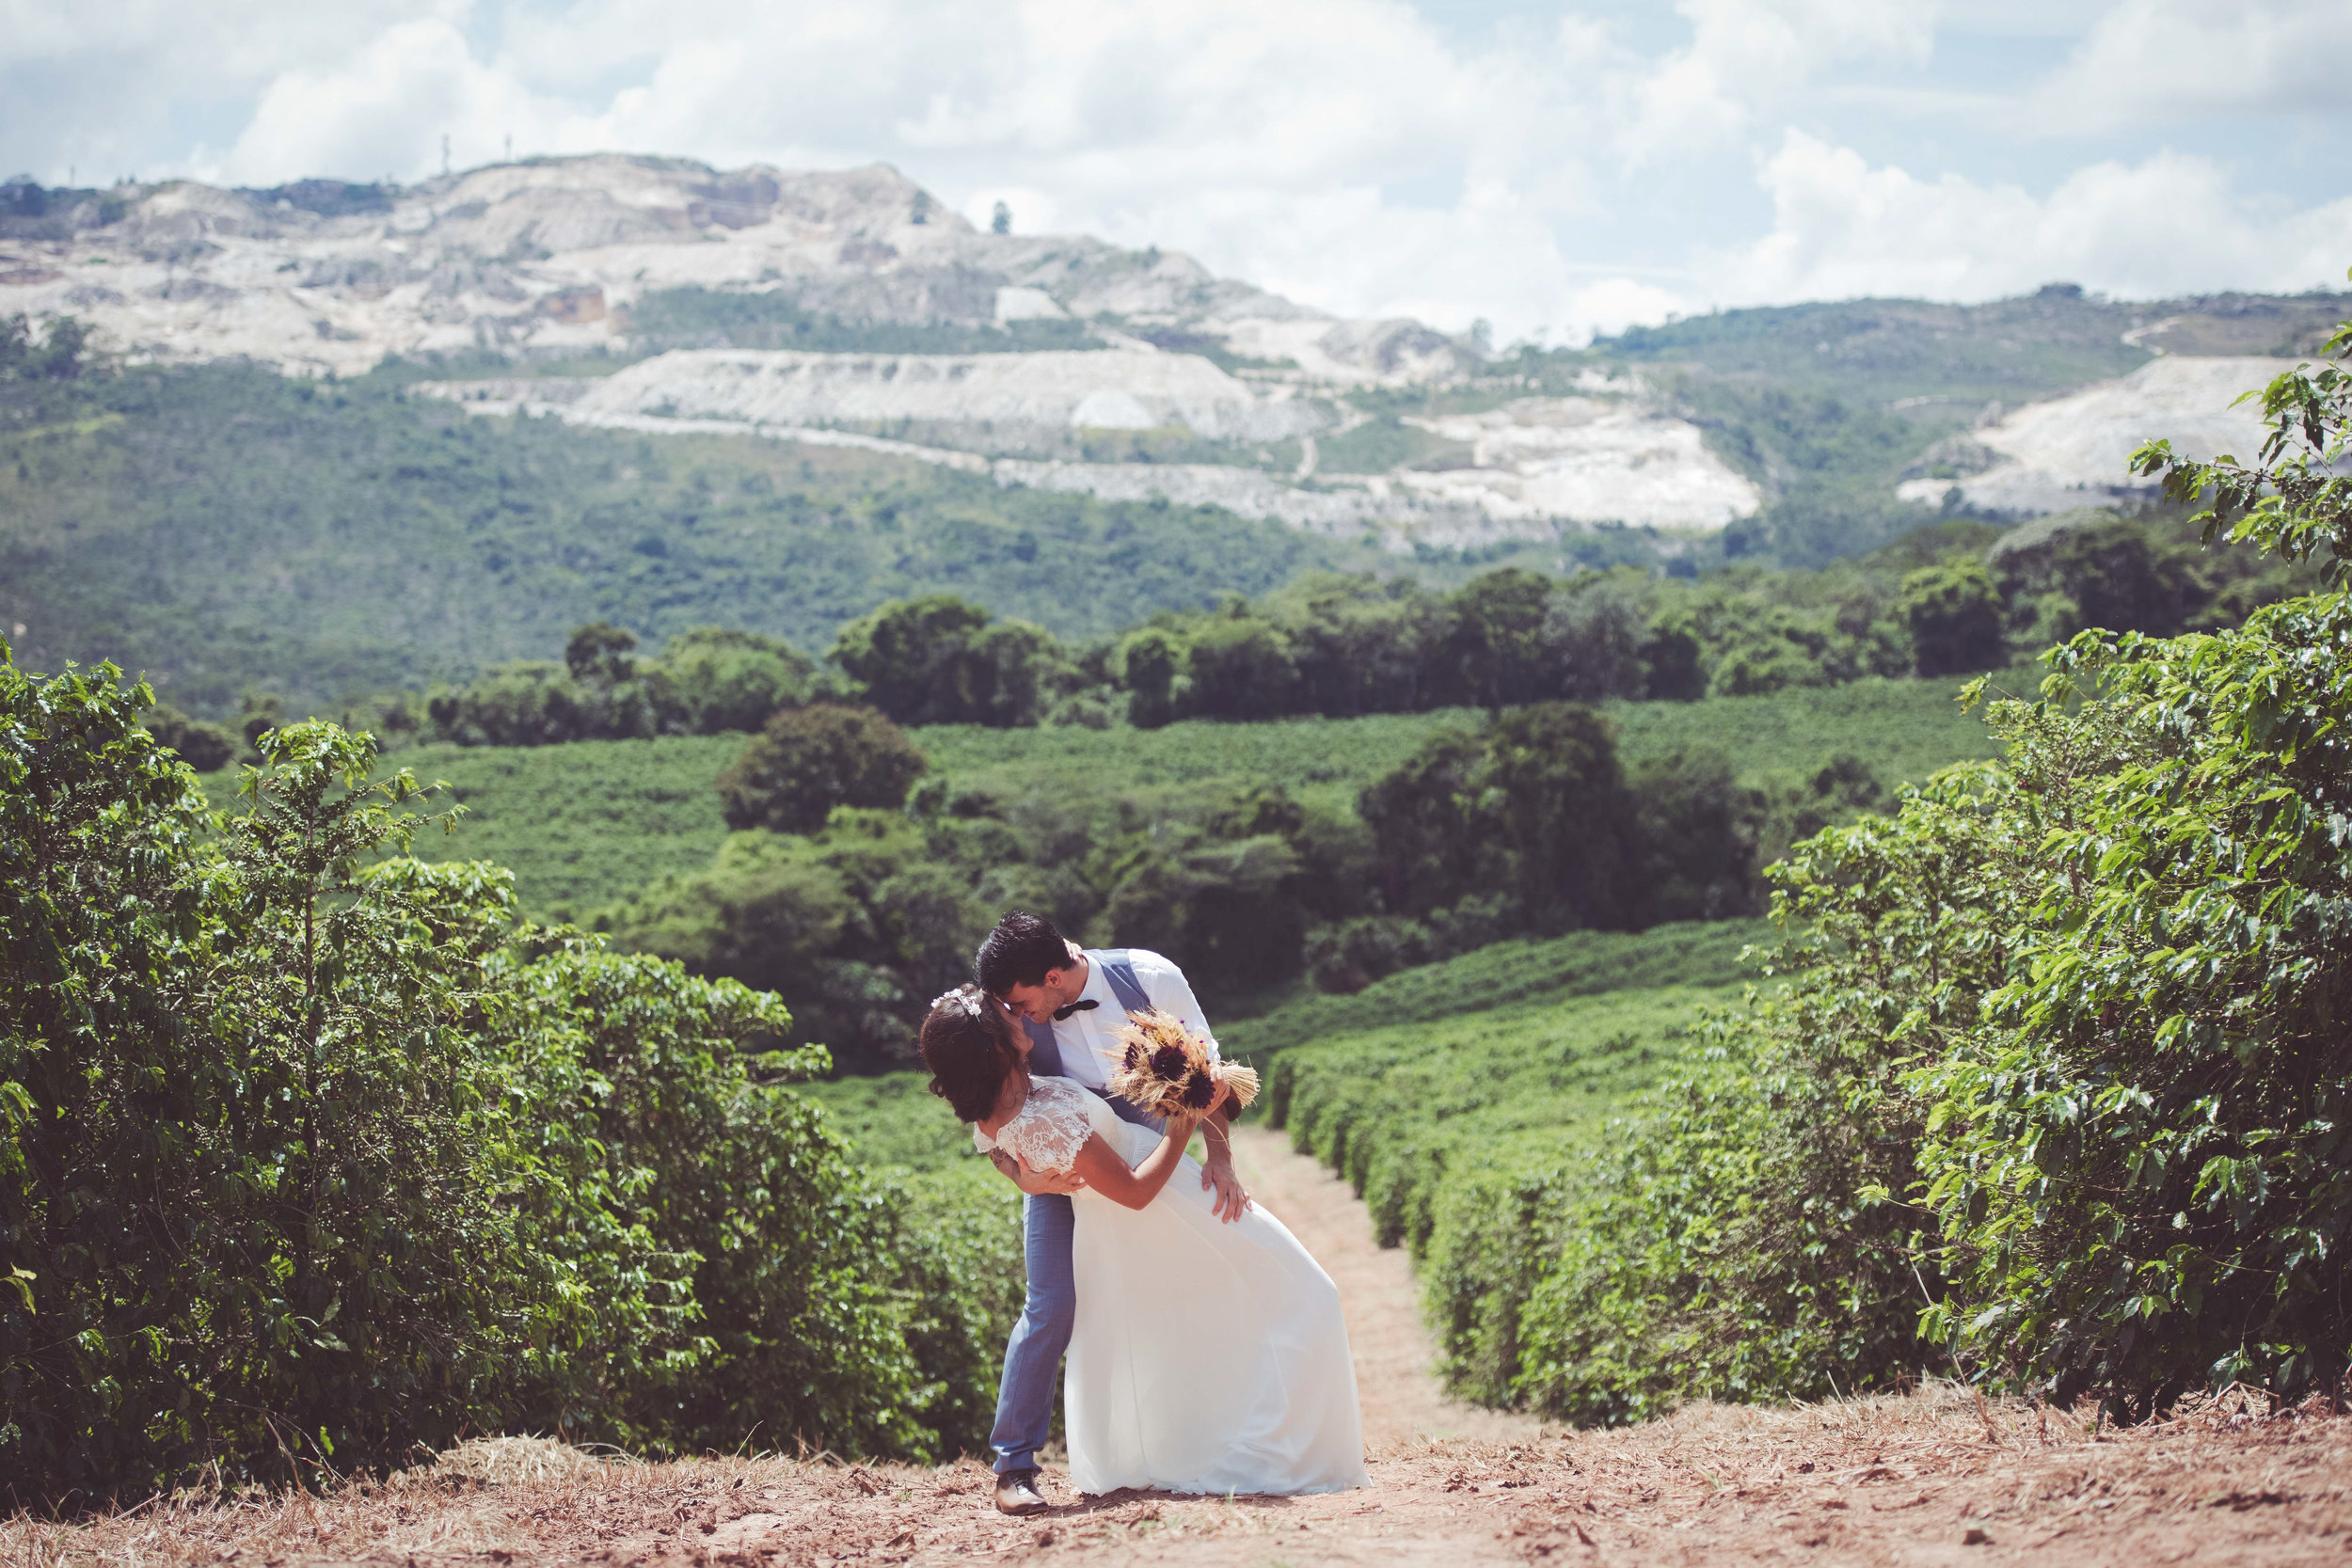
<point x="1060" y="1013"/>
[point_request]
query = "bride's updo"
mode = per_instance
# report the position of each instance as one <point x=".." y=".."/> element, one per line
<point x="968" y="1047"/>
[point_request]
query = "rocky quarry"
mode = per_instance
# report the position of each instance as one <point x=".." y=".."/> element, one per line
<point x="2075" y="450"/>
<point x="552" y="265"/>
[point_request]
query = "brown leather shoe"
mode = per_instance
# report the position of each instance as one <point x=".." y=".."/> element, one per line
<point x="1017" y="1493"/>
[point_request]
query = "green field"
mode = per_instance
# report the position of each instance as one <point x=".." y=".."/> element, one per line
<point x="893" y="1119"/>
<point x="1512" y="974"/>
<point x="582" y="823"/>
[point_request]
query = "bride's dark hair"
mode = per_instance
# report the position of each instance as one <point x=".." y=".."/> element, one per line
<point x="967" y="1045"/>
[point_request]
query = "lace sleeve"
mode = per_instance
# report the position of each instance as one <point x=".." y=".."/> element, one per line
<point x="1051" y="1127"/>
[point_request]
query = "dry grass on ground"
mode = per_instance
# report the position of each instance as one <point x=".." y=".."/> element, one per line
<point x="1935" y="1477"/>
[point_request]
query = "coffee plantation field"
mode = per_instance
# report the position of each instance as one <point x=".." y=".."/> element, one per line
<point x="583" y="822"/>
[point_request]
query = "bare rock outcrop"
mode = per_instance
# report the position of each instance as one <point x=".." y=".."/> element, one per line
<point x="2075" y="451"/>
<point x="470" y="262"/>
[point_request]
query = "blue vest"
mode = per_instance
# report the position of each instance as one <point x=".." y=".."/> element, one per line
<point x="1045" y="1055"/>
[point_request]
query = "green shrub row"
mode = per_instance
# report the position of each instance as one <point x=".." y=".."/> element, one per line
<point x="314" y="1155"/>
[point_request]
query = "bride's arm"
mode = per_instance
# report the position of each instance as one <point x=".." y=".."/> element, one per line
<point x="1100" y="1167"/>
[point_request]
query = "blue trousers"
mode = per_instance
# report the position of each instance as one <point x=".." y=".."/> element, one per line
<point x="1025" y="1396"/>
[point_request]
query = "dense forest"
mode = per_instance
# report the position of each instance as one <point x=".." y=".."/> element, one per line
<point x="1711" y="1006"/>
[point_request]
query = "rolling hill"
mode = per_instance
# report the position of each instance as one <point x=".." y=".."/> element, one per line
<point x="359" y="435"/>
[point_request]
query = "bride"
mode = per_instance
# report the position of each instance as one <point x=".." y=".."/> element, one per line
<point x="1207" y="1356"/>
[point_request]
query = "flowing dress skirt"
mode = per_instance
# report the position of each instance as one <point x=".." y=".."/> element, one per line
<point x="1207" y="1357"/>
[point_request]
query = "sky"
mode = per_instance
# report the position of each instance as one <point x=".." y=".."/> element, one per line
<point x="1556" y="169"/>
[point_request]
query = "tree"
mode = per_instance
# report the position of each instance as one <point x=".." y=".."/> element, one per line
<point x="1152" y="667"/>
<point x="713" y="680"/>
<point x="762" y="915"/>
<point x="313" y="1157"/>
<point x="202" y="746"/>
<point x="1594" y="629"/>
<point x="1560" y="803"/>
<point x="1240" y="668"/>
<point x="260" y="712"/>
<point x="255" y="1189"/>
<point x="599" y="653"/>
<point x="1424" y="816"/>
<point x="1955" y="615"/>
<point x="2061" y="1053"/>
<point x="57" y="355"/>
<point x="1691" y="852"/>
<point x="1674" y="659"/>
<point x="939" y="661"/>
<point x="1359" y="645"/>
<point x="1000" y="220"/>
<point x="1495" y="650"/>
<point x="806" y="761"/>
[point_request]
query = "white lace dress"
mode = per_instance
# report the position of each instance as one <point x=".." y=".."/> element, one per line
<point x="1207" y="1357"/>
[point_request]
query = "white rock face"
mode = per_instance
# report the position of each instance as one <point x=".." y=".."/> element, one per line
<point x="554" y="257"/>
<point x="547" y="255"/>
<point x="2075" y="450"/>
<point x="1027" y="305"/>
<point x="1590" y="459"/>
<point x="1053" y="390"/>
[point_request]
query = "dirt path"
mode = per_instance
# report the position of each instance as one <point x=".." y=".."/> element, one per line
<point x="1395" y="1352"/>
<point x="1938" y="1478"/>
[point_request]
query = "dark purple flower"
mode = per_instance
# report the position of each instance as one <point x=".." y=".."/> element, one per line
<point x="1199" y="1092"/>
<point x="1169" y="1064"/>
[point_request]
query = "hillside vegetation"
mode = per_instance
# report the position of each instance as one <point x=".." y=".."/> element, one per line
<point x="229" y="530"/>
<point x="1886" y="350"/>
<point x="223" y="528"/>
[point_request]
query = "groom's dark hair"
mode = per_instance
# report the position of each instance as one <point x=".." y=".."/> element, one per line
<point x="1019" y="951"/>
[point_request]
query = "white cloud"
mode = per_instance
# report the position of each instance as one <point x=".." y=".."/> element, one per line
<point x="2170" y="224"/>
<point x="2162" y="61"/>
<point x="1751" y="58"/>
<point x="386" y="109"/>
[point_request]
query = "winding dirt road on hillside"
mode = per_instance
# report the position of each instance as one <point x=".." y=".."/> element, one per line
<point x="1939" y="1477"/>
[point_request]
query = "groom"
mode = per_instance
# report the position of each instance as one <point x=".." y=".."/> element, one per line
<point x="1073" y="1004"/>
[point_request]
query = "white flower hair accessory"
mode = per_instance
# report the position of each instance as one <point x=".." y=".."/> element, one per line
<point x="964" y="999"/>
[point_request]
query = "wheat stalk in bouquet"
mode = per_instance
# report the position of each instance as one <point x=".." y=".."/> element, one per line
<point x="1165" y="1067"/>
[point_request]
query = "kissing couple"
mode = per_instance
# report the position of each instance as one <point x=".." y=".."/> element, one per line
<point x="1207" y="1353"/>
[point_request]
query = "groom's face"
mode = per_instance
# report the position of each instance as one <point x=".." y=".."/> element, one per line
<point x="1037" y="1003"/>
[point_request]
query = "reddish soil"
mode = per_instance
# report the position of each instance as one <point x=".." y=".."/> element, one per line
<point x="1937" y="1477"/>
